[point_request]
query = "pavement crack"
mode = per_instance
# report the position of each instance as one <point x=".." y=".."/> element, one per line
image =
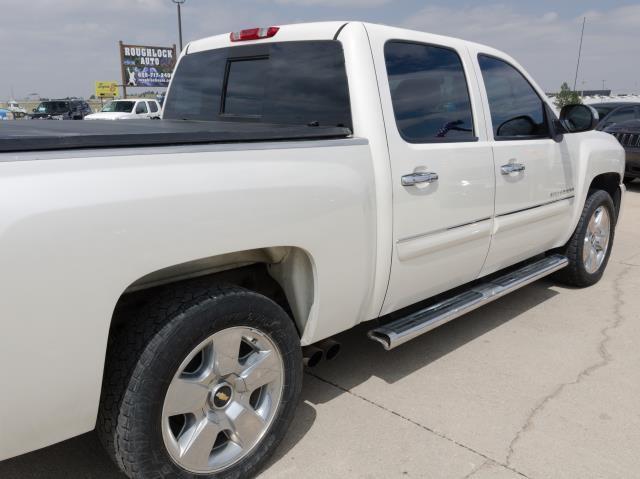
<point x="486" y="458"/>
<point x="605" y="359"/>
<point x="473" y="471"/>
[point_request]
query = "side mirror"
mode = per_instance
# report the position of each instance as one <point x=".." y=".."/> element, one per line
<point x="578" y="118"/>
<point x="34" y="110"/>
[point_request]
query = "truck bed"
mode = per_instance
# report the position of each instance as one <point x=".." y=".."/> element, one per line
<point x="33" y="135"/>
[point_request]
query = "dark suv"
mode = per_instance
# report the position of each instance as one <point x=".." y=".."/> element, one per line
<point x="628" y="134"/>
<point x="61" y="110"/>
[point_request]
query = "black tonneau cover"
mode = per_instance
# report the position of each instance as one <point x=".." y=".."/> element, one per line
<point x="32" y="135"/>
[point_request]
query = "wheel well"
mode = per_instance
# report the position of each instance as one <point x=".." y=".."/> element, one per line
<point x="283" y="274"/>
<point x="609" y="182"/>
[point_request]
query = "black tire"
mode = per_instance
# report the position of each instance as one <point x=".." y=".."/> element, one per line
<point x="144" y="355"/>
<point x="575" y="273"/>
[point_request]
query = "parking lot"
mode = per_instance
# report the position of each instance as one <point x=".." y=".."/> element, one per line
<point x="543" y="383"/>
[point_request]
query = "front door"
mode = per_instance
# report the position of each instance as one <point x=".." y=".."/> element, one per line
<point x="441" y="167"/>
<point x="533" y="172"/>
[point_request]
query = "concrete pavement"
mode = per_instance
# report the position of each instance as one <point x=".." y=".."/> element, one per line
<point x="544" y="383"/>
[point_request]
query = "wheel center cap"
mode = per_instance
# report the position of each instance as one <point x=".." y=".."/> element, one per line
<point x="221" y="396"/>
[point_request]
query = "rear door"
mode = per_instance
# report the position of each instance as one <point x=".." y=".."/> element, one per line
<point x="141" y="109"/>
<point x="154" y="109"/>
<point x="534" y="173"/>
<point x="441" y="165"/>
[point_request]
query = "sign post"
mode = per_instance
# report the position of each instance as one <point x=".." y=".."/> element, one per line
<point x="124" y="80"/>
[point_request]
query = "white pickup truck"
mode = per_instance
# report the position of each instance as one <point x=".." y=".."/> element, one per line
<point x="165" y="282"/>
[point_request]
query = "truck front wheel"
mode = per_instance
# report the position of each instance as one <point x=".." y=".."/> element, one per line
<point x="589" y="248"/>
<point x="202" y="383"/>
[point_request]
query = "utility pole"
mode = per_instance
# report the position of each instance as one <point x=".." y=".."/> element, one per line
<point x="179" y="4"/>
<point x="575" y="81"/>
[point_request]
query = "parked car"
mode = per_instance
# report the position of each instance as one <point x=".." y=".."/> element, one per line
<point x="611" y="113"/>
<point x="16" y="109"/>
<point x="61" y="110"/>
<point x="6" y="114"/>
<point x="628" y="134"/>
<point x="128" y="109"/>
<point x="304" y="179"/>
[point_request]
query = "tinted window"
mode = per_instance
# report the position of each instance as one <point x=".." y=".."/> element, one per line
<point x="141" y="107"/>
<point x="516" y="109"/>
<point x="603" y="110"/>
<point x="622" y="114"/>
<point x="245" y="87"/>
<point x="53" y="107"/>
<point x="118" y="106"/>
<point x="289" y="82"/>
<point x="429" y="92"/>
<point x="153" y="106"/>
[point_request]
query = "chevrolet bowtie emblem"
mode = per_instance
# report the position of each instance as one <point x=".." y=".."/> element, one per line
<point x="222" y="396"/>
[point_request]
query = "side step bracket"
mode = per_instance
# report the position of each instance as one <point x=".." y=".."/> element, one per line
<point x="401" y="330"/>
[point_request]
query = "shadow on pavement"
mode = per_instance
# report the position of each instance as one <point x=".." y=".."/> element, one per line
<point x="361" y="358"/>
<point x="634" y="186"/>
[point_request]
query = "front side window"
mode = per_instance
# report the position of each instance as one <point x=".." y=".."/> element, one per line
<point x="429" y="93"/>
<point x="118" y="106"/>
<point x="292" y="83"/>
<point x="517" y="112"/>
<point x="622" y="114"/>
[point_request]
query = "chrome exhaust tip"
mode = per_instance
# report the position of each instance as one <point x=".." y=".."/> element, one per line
<point x="311" y="356"/>
<point x="330" y="347"/>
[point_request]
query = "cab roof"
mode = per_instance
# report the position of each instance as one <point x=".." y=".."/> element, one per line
<point x="307" y="31"/>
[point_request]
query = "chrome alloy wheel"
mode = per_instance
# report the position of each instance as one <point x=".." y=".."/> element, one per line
<point x="222" y="399"/>
<point x="596" y="240"/>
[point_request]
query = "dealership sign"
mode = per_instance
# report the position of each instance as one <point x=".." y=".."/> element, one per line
<point x="106" y="89"/>
<point x="144" y="66"/>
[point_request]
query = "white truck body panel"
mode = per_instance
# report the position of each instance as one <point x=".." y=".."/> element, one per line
<point x="78" y="228"/>
<point x="80" y="256"/>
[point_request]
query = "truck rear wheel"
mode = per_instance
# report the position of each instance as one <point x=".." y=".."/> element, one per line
<point x="202" y="383"/>
<point x="589" y="248"/>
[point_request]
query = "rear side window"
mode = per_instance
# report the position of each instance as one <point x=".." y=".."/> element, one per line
<point x="297" y="83"/>
<point x="141" y="107"/>
<point x="153" y="106"/>
<point x="429" y="93"/>
<point x="517" y="112"/>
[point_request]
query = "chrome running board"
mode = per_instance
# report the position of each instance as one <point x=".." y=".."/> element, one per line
<point x="401" y="330"/>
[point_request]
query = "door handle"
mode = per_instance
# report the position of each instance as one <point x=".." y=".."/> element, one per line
<point x="419" y="177"/>
<point x="512" y="168"/>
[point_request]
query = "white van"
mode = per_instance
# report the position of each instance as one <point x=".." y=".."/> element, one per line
<point x="127" y="109"/>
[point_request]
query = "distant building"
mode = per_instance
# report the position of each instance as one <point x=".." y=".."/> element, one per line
<point x="584" y="93"/>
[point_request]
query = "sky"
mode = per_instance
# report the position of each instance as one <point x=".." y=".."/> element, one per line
<point x="58" y="48"/>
